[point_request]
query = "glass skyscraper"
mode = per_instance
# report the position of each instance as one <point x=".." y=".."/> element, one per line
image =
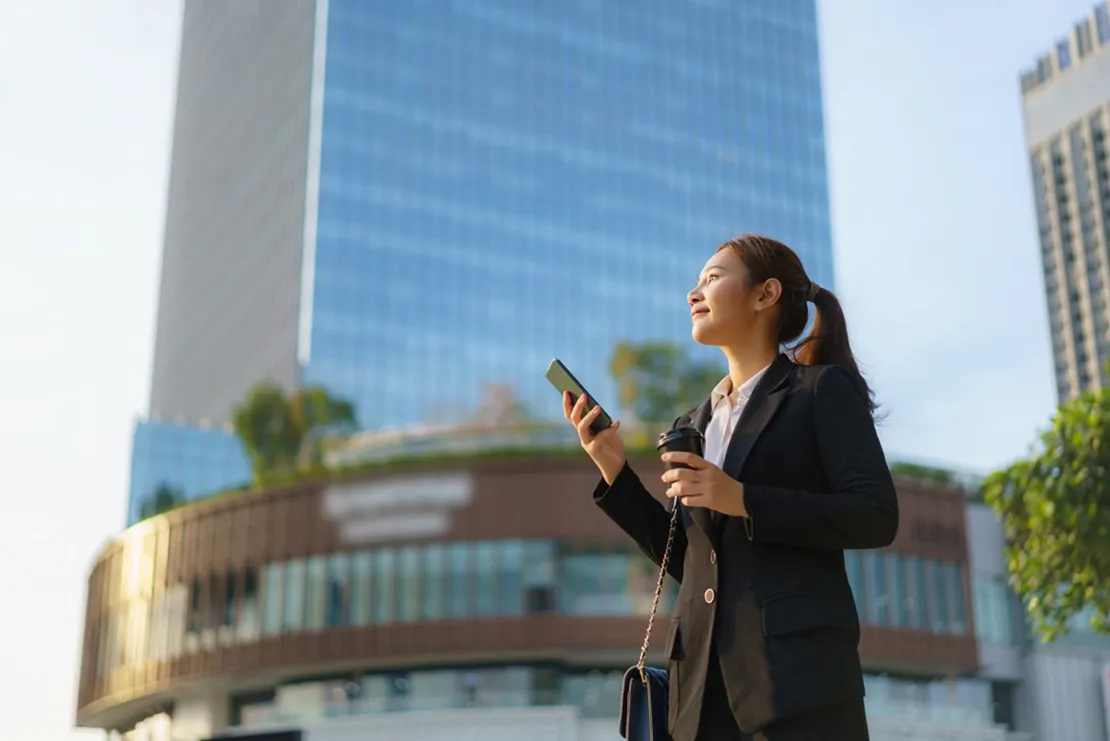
<point x="406" y="201"/>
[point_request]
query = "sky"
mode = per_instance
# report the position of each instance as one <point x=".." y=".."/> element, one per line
<point x="936" y="257"/>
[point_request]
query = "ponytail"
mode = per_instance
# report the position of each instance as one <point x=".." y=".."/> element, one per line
<point x="827" y="342"/>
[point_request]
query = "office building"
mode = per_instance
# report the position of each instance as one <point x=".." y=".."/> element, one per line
<point x="406" y="201"/>
<point x="1067" y="116"/>
<point x="483" y="598"/>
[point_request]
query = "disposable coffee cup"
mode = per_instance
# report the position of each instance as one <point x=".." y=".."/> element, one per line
<point x="681" y="439"/>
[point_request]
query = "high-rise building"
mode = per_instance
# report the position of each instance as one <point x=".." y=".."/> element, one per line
<point x="405" y="201"/>
<point x="1067" y="117"/>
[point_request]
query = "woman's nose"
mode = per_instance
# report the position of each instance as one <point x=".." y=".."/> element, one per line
<point x="693" y="297"/>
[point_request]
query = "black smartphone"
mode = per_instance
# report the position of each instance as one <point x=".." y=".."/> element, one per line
<point x="563" y="380"/>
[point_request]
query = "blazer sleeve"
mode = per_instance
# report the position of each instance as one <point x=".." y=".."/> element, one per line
<point x="861" y="509"/>
<point x="635" y="511"/>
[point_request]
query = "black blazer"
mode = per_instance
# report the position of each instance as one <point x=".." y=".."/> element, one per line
<point x="771" y="589"/>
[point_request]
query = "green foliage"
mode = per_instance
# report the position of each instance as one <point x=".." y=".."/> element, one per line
<point x="918" y="472"/>
<point x="656" y="381"/>
<point x="1055" y="508"/>
<point x="282" y="433"/>
<point x="162" y="499"/>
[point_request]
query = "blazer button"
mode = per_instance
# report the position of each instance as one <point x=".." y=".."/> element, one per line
<point x="709" y="596"/>
<point x="713" y="557"/>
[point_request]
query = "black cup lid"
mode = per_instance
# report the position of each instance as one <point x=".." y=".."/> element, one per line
<point x="679" y="433"/>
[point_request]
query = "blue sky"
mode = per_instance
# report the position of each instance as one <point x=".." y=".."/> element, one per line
<point x="934" y="232"/>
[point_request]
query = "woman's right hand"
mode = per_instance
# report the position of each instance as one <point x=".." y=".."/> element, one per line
<point x="605" y="448"/>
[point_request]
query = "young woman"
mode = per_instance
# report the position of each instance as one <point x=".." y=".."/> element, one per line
<point x="764" y="640"/>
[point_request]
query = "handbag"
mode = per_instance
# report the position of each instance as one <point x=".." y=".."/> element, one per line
<point x="645" y="690"/>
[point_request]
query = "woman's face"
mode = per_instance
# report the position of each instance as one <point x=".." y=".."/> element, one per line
<point x="724" y="307"/>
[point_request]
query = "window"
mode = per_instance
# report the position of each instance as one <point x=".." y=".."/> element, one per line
<point x="458" y="568"/>
<point x="435" y="583"/>
<point x="316" y="592"/>
<point x="338" y="591"/>
<point x="1063" y="55"/>
<point x="917" y="603"/>
<point x="381" y="598"/>
<point x="293" y="614"/>
<point x="248" y="625"/>
<point x="1102" y="23"/>
<point x="896" y="586"/>
<point x="954" y="585"/>
<point x="510" y="558"/>
<point x="875" y="573"/>
<point x="538" y="576"/>
<point x="408" y="583"/>
<point x="485" y="578"/>
<point x="360" y="588"/>
<point x="935" y="595"/>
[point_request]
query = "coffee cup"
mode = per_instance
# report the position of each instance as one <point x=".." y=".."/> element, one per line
<point x="681" y="439"/>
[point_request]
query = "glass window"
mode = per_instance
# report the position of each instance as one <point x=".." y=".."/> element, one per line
<point x="509" y="596"/>
<point x="485" y="578"/>
<point x="408" y="583"/>
<point x="229" y="601"/>
<point x="317" y="593"/>
<point x="382" y="595"/>
<point x="435" y="584"/>
<point x="1063" y="54"/>
<point x="934" y="589"/>
<point x="853" y="564"/>
<point x="248" y="626"/>
<point x="916" y="610"/>
<point x="338" y="591"/>
<point x="360" y="588"/>
<point x="538" y="576"/>
<point x="458" y="570"/>
<point x="954" y="585"/>
<point x="875" y="574"/>
<point x="896" y="588"/>
<point x="293" y="614"/>
<point x="1102" y="23"/>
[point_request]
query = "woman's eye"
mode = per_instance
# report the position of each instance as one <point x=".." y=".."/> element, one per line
<point x="710" y="278"/>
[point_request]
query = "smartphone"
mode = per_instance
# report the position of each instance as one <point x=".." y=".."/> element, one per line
<point x="563" y="380"/>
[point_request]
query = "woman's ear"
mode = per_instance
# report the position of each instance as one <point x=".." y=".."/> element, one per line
<point x="768" y="294"/>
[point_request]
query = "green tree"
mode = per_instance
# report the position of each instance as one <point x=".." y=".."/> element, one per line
<point x="162" y="499"/>
<point x="283" y="432"/>
<point x="656" y="381"/>
<point x="1055" y="508"/>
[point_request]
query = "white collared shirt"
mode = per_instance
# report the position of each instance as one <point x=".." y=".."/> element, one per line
<point x="727" y="405"/>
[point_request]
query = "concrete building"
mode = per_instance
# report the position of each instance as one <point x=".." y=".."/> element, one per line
<point x="1067" y="117"/>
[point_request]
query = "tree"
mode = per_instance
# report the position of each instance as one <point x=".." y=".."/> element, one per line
<point x="500" y="407"/>
<point x="656" y="381"/>
<point x="162" y="499"/>
<point x="282" y="433"/>
<point x="1055" y="509"/>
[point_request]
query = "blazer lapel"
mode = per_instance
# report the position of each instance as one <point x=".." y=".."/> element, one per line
<point x="701" y="516"/>
<point x="761" y="407"/>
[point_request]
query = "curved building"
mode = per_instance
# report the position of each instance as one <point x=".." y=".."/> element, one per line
<point x="476" y="596"/>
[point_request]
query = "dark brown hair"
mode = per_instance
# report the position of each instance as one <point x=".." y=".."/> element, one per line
<point x="827" y="342"/>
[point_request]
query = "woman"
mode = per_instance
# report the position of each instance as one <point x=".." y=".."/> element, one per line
<point x="764" y="640"/>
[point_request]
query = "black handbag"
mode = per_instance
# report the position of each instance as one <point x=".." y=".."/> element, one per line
<point x="645" y="690"/>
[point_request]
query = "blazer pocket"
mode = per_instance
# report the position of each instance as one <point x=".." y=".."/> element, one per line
<point x="674" y="650"/>
<point x="796" y="613"/>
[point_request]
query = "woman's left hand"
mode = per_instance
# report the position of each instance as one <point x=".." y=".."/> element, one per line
<point x="704" y="485"/>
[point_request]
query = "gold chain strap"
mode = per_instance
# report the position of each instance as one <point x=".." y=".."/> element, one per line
<point x="658" y="591"/>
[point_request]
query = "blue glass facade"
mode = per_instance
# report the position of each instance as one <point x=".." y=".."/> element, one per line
<point x="190" y="460"/>
<point x="501" y="184"/>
